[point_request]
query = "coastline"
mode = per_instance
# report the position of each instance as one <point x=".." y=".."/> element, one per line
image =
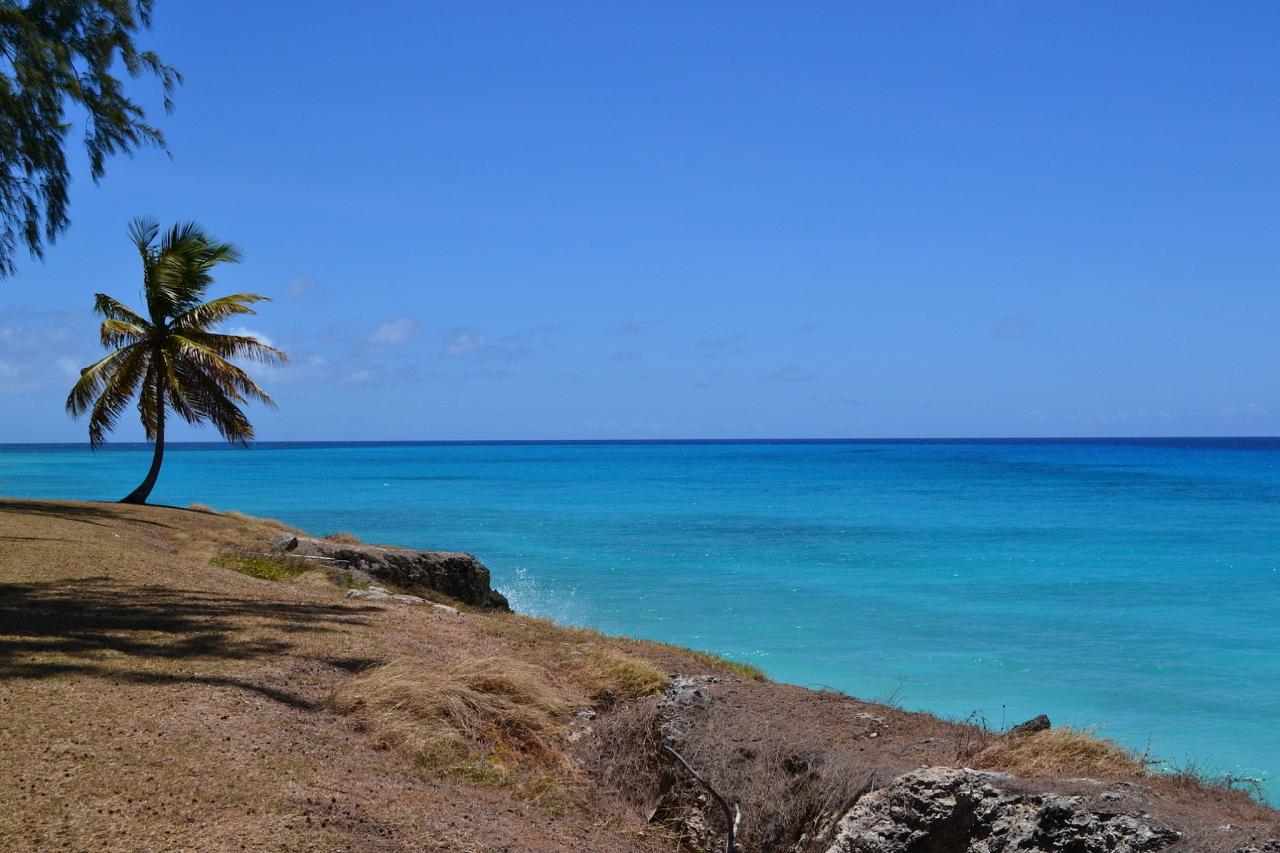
<point x="118" y="608"/>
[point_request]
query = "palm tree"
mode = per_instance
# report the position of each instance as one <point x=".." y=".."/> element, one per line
<point x="170" y="357"/>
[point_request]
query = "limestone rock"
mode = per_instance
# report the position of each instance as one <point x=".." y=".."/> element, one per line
<point x="1030" y="727"/>
<point x="965" y="811"/>
<point x="457" y="575"/>
<point x="369" y="594"/>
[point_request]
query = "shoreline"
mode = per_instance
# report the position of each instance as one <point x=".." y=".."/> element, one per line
<point x="566" y="725"/>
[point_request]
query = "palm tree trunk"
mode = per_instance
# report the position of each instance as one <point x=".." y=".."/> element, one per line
<point x="140" y="494"/>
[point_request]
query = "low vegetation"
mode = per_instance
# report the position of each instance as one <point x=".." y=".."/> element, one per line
<point x="495" y="708"/>
<point x="1062" y="751"/>
<point x="267" y="568"/>
<point x="610" y="675"/>
<point x="738" y="668"/>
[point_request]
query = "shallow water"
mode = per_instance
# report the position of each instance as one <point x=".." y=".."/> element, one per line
<point x="1132" y="585"/>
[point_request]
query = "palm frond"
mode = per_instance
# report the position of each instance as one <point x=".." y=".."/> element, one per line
<point x="206" y="314"/>
<point x="143" y="231"/>
<point x="183" y="267"/>
<point x="231" y="379"/>
<point x="93" y="379"/>
<point x="216" y="403"/>
<point x="116" y="333"/>
<point x="116" y="393"/>
<point x="237" y="346"/>
<point x="113" y="309"/>
<point x="176" y="393"/>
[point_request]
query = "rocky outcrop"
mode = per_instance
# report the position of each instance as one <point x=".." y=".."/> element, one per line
<point x="1040" y="723"/>
<point x="957" y="810"/>
<point x="377" y="593"/>
<point x="460" y="576"/>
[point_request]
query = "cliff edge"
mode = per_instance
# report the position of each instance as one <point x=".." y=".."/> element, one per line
<point x="179" y="679"/>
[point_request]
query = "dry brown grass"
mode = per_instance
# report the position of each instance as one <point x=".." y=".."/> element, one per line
<point x="486" y="707"/>
<point x="1062" y="752"/>
<point x="608" y="669"/>
<point x="743" y="670"/>
<point x="343" y="538"/>
<point x="639" y="667"/>
<point x="252" y="522"/>
<point x="200" y="508"/>
<point x="610" y="675"/>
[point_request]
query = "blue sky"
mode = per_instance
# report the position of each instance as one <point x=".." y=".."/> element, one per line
<point x="599" y="220"/>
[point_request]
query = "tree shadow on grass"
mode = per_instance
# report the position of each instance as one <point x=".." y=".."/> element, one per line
<point x="97" y="626"/>
<point x="88" y="513"/>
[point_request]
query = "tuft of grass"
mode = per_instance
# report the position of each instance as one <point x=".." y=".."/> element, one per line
<point x="494" y="708"/>
<point x="343" y="538"/>
<point x="1062" y="752"/>
<point x="750" y="672"/>
<point x="611" y="675"/>
<point x="264" y="568"/>
<point x="201" y="508"/>
<point x="536" y="631"/>
<point x="545" y="790"/>
<point x="254" y="521"/>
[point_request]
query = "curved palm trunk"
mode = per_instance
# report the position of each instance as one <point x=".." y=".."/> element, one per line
<point x="140" y="494"/>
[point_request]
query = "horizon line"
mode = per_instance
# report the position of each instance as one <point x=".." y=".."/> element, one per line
<point x="737" y="440"/>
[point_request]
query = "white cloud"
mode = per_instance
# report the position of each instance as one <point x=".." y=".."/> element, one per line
<point x="461" y="342"/>
<point x="395" y="331"/>
<point x="521" y="345"/>
<point x="1249" y="410"/>
<point x="38" y="349"/>
<point x="69" y="366"/>
<point x="242" y="332"/>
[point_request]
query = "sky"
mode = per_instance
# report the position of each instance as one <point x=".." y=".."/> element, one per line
<point x="705" y="220"/>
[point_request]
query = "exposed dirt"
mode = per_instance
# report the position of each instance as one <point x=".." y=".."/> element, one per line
<point x="150" y="700"/>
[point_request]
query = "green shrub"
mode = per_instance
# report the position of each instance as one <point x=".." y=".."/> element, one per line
<point x="263" y="567"/>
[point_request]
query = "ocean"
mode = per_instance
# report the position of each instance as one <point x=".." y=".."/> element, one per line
<point x="1132" y="586"/>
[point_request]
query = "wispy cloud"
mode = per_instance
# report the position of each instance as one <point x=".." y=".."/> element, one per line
<point x="715" y="347"/>
<point x="789" y="373"/>
<point x="1248" y="411"/>
<point x="461" y="342"/>
<point x="243" y="332"/>
<point x="43" y="350"/>
<point x="466" y="342"/>
<point x="301" y="287"/>
<point x="625" y="427"/>
<point x="631" y="328"/>
<point x="1138" y="416"/>
<point x="395" y="332"/>
<point x="1014" y="327"/>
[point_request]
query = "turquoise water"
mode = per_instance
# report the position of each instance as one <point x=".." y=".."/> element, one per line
<point x="1132" y="585"/>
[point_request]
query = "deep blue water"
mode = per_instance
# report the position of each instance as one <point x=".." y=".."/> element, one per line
<point x="1129" y="584"/>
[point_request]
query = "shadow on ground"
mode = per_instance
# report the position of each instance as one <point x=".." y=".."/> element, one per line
<point x="87" y="513"/>
<point x="96" y="626"/>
